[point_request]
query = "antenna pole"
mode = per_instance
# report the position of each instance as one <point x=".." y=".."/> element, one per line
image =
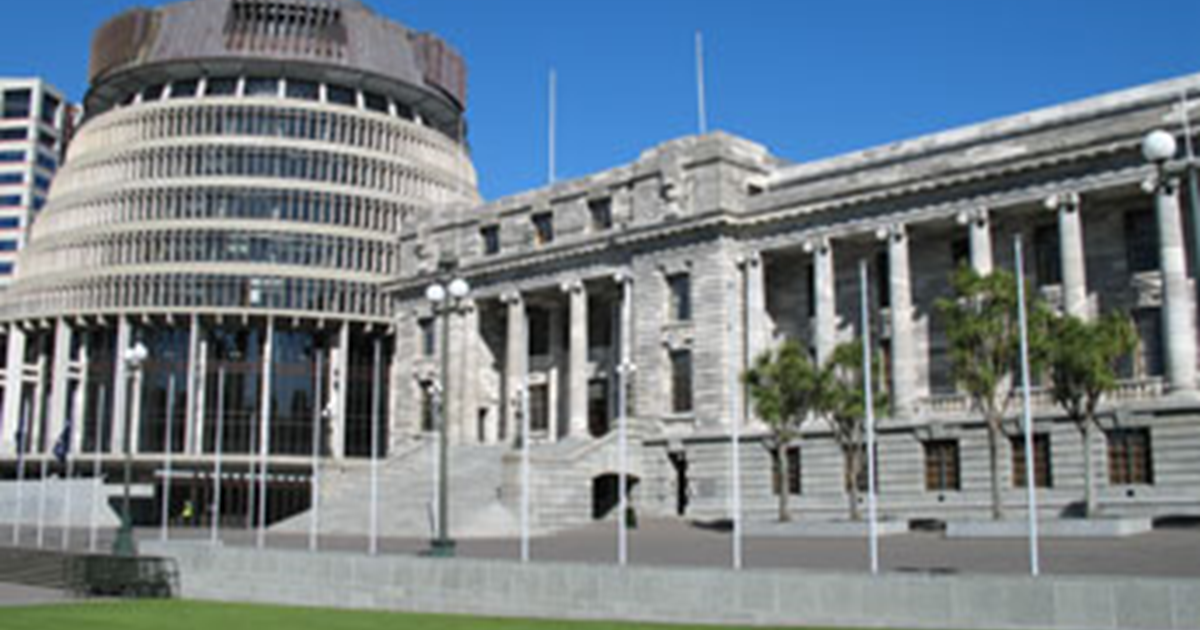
<point x="553" y="126"/>
<point x="701" y="97"/>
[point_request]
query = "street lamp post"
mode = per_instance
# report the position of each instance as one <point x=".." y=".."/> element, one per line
<point x="134" y="358"/>
<point x="1159" y="148"/>
<point x="447" y="300"/>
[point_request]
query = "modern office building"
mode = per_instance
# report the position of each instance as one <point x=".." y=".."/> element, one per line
<point x="35" y="121"/>
<point x="261" y="194"/>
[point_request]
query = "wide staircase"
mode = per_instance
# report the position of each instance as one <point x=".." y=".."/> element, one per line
<point x="407" y="496"/>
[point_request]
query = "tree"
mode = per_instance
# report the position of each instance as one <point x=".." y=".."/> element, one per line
<point x="843" y="406"/>
<point x="983" y="329"/>
<point x="1083" y="359"/>
<point x="783" y="387"/>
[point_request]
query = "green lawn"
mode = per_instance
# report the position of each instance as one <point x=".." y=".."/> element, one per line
<point x="196" y="616"/>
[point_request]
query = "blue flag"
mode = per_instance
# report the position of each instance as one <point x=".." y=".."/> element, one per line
<point x="62" y="447"/>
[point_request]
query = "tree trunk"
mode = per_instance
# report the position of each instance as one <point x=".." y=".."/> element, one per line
<point x="994" y="467"/>
<point x="781" y="467"/>
<point x="852" y="470"/>
<point x="1089" y="477"/>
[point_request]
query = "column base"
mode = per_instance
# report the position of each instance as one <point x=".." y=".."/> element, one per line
<point x="441" y="549"/>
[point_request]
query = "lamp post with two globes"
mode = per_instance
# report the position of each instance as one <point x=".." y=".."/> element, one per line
<point x="135" y="359"/>
<point x="1159" y="147"/>
<point x="447" y="300"/>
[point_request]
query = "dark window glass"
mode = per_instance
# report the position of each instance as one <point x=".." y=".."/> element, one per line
<point x="375" y="102"/>
<point x="1141" y="241"/>
<point x="943" y="471"/>
<point x="1130" y="460"/>
<point x="8" y="246"/>
<point x="811" y="283"/>
<point x="304" y="90"/>
<point x="17" y="104"/>
<point x="8" y="157"/>
<point x="543" y="228"/>
<point x="598" y="411"/>
<point x="50" y="105"/>
<point x="9" y="201"/>
<point x="11" y="178"/>
<point x="47" y="140"/>
<point x="16" y="133"/>
<point x="539" y="408"/>
<point x="339" y="95"/>
<point x="680" y="286"/>
<point x="1150" y="361"/>
<point x="883" y="285"/>
<point x="539" y="332"/>
<point x="427" y="423"/>
<point x="10" y="223"/>
<point x="41" y="182"/>
<point x="221" y="86"/>
<point x="1046" y="251"/>
<point x="39" y="203"/>
<point x="1043" y="466"/>
<point x="600" y="322"/>
<point x="6" y="268"/>
<point x="490" y="236"/>
<point x="185" y="89"/>
<point x="262" y="87"/>
<point x="601" y="211"/>
<point x="960" y="253"/>
<point x="47" y="162"/>
<point x="404" y="111"/>
<point x="428" y="337"/>
<point x="681" y="381"/>
<point x="153" y="93"/>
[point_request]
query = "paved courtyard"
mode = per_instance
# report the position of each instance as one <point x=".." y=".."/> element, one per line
<point x="1163" y="553"/>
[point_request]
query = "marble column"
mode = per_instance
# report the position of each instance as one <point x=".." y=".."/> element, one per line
<point x="1073" y="263"/>
<point x="123" y="387"/>
<point x="824" y="331"/>
<point x="1179" y="333"/>
<point x="339" y="374"/>
<point x="979" y="228"/>
<point x="59" y="379"/>
<point x="12" y="390"/>
<point x="758" y="338"/>
<point x="516" y="359"/>
<point x="904" y="353"/>
<point x="194" y="392"/>
<point x="577" y="367"/>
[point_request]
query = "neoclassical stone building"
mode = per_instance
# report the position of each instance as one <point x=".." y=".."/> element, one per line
<point x="707" y="251"/>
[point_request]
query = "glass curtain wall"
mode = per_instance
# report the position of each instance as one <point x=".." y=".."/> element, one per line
<point x="362" y="384"/>
<point x="167" y="362"/>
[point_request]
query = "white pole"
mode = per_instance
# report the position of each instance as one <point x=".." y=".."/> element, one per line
<point x="869" y="406"/>
<point x="373" y="542"/>
<point x="264" y="445"/>
<point x="623" y="370"/>
<point x="66" y="483"/>
<point x="314" y="526"/>
<point x="701" y="96"/>
<point x="168" y="450"/>
<point x="553" y="126"/>
<point x="436" y="472"/>
<point x="739" y="413"/>
<point x="41" y="517"/>
<point x="97" y="482"/>
<point x="22" y="451"/>
<point x="526" y="446"/>
<point x="1027" y="411"/>
<point x="218" y="450"/>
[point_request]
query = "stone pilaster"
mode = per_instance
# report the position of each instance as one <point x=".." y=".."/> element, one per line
<point x="903" y="342"/>
<point x="516" y="359"/>
<point x="979" y="229"/>
<point x="12" y="390"/>
<point x="1179" y="333"/>
<point x="825" y="278"/>
<point x="577" y="367"/>
<point x="1073" y="263"/>
<point x="758" y="333"/>
<point x="339" y="375"/>
<point x="123" y="393"/>
<point x="194" y="392"/>
<point x="59" y="378"/>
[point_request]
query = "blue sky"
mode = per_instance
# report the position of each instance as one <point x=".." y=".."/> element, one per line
<point x="809" y="79"/>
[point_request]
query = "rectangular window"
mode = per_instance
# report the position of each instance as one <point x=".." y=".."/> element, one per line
<point x="681" y="382"/>
<point x="375" y="102"/>
<point x="543" y="228"/>
<point x="15" y="133"/>
<point x="427" y="423"/>
<point x="50" y="105"/>
<point x="8" y="246"/>
<point x="11" y="201"/>
<point x="883" y="274"/>
<point x="1043" y="467"/>
<point x="943" y="470"/>
<point x="153" y="93"/>
<point x="10" y="223"/>
<point x="680" y="286"/>
<point x="17" y="104"/>
<point x="41" y="182"/>
<point x="185" y="89"/>
<point x="6" y="268"/>
<point x="960" y="253"/>
<point x="601" y="213"/>
<point x="9" y="179"/>
<point x="1149" y="358"/>
<point x="39" y="203"/>
<point x="428" y="337"/>
<point x="46" y="162"/>
<point x="1130" y="460"/>
<point x="262" y="87"/>
<point x="539" y="409"/>
<point x="303" y="90"/>
<point x="47" y="140"/>
<point x="1141" y="241"/>
<point x="1046" y="251"/>
<point x="490" y="236"/>
<point x="600" y="322"/>
<point x="539" y="332"/>
<point x="339" y="95"/>
<point x="793" y="473"/>
<point x="598" y="412"/>
<point x="221" y="86"/>
<point x="9" y="157"/>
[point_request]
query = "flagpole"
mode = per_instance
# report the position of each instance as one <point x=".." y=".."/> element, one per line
<point x="314" y="526"/>
<point x="526" y="447"/>
<point x="1027" y="410"/>
<point x="68" y="474"/>
<point x="373" y="542"/>
<point x="623" y="371"/>
<point x="264" y="446"/>
<point x="22" y="451"/>
<point x="553" y="160"/>
<point x="97" y="482"/>
<point x="218" y="449"/>
<point x="701" y="90"/>
<point x="168" y="450"/>
<point x="737" y="416"/>
<point x="41" y="518"/>
<point x="869" y="406"/>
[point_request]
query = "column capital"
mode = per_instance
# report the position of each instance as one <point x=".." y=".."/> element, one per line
<point x="751" y="259"/>
<point x="575" y="286"/>
<point x="978" y="217"/>
<point x="1161" y="183"/>
<point x="818" y="245"/>
<point x="623" y="277"/>
<point x="894" y="233"/>
<point x="511" y="298"/>
<point x="1064" y="202"/>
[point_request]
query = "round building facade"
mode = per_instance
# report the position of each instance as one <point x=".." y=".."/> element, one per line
<point x="232" y="202"/>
